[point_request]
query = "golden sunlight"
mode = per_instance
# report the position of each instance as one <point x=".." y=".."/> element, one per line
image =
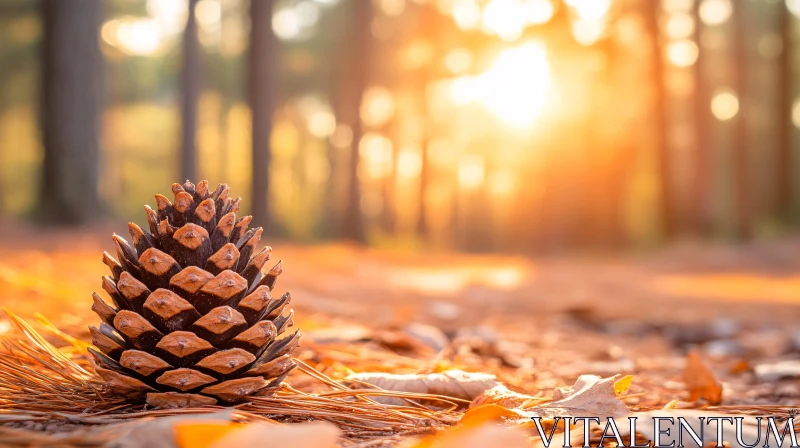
<point x="503" y="18"/>
<point x="590" y="9"/>
<point x="516" y="87"/>
<point x="471" y="171"/>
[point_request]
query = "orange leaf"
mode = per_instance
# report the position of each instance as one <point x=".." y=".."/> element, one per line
<point x="622" y="384"/>
<point x="701" y="381"/>
<point x="486" y="413"/>
<point x="202" y="433"/>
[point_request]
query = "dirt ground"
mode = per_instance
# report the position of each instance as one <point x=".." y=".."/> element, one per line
<point x="538" y="322"/>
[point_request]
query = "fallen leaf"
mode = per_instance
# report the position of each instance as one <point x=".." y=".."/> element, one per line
<point x="451" y="383"/>
<point x="161" y="432"/>
<point x="671" y="405"/>
<point x="201" y="433"/>
<point x="301" y="435"/>
<point x="428" y="335"/>
<point x="739" y="366"/>
<point x="777" y="371"/>
<point x="591" y="395"/>
<point x="622" y="384"/>
<point x="503" y="396"/>
<point x="701" y="381"/>
<point x="488" y="413"/>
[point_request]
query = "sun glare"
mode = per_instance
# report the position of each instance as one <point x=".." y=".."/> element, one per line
<point x="515" y="88"/>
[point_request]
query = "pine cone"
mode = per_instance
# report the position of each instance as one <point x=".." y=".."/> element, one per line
<point x="194" y="321"/>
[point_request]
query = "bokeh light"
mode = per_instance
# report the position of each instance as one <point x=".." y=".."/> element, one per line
<point x="587" y="31"/>
<point x="377" y="107"/>
<point x="466" y="14"/>
<point x="794" y="7"/>
<point x="139" y="37"/>
<point x="724" y="104"/>
<point x="677" y="6"/>
<point x="715" y="12"/>
<point x="376" y="151"/>
<point x="471" y="171"/>
<point x="504" y="19"/>
<point x="590" y="9"/>
<point x="682" y="53"/>
<point x="537" y="12"/>
<point x="342" y="136"/>
<point x="680" y="26"/>
<point x="409" y="163"/>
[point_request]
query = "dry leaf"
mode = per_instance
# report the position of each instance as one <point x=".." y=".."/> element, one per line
<point x="671" y="405"/>
<point x="451" y="383"/>
<point x="622" y="384"/>
<point x="488" y="413"/>
<point x="700" y="380"/>
<point x="591" y="395"/>
<point x="160" y="433"/>
<point x="201" y="433"/>
<point x="302" y="435"/>
<point x="503" y="396"/>
<point x="778" y="370"/>
<point x="739" y="366"/>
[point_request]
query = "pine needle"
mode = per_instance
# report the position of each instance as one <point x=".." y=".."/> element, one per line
<point x="44" y="387"/>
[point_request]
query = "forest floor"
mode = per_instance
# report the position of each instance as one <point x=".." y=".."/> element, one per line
<point x="536" y="323"/>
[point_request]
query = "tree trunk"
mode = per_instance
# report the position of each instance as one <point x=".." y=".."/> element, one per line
<point x="701" y="188"/>
<point x="741" y="157"/>
<point x="70" y="111"/>
<point x="785" y="162"/>
<point x="429" y="26"/>
<point x="190" y="92"/>
<point x="262" y="96"/>
<point x="353" y="226"/>
<point x="663" y="159"/>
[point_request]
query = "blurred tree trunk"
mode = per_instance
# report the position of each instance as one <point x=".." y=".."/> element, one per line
<point x="423" y="229"/>
<point x="70" y="111"/>
<point x="190" y="92"/>
<point x="429" y="26"/>
<point x="353" y="226"/>
<point x="262" y="70"/>
<point x="701" y="186"/>
<point x="786" y="129"/>
<point x="666" y="203"/>
<point x="741" y="157"/>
